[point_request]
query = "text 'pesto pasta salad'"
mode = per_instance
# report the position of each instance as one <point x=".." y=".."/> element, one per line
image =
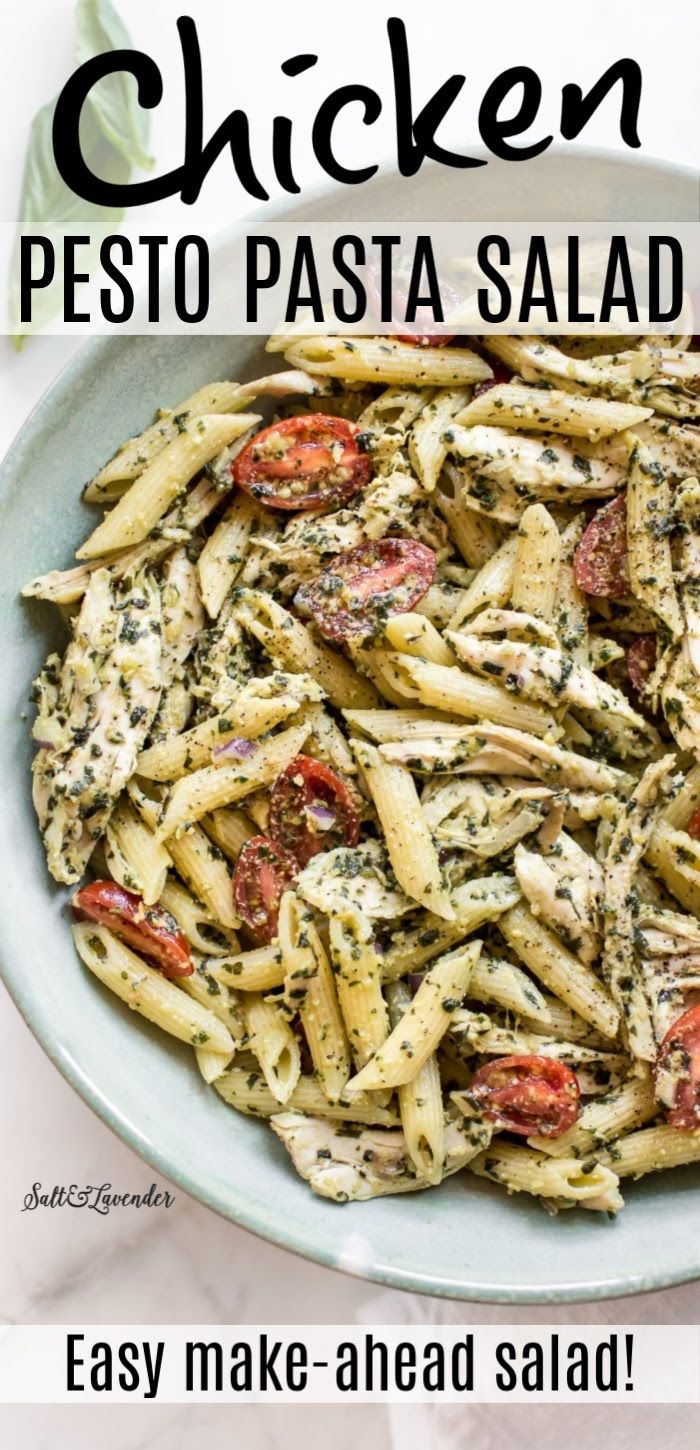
<point x="378" y="731"/>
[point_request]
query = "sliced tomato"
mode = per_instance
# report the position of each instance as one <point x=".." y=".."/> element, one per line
<point x="303" y="463"/>
<point x="693" y="826"/>
<point x="361" y="589"/>
<point x="679" y="1057"/>
<point x="399" y="302"/>
<point x="263" y="872"/>
<point x="501" y="374"/>
<point x="150" y="930"/>
<point x="311" y="810"/>
<point x="601" y="557"/>
<point x="641" y="660"/>
<point x="527" y="1095"/>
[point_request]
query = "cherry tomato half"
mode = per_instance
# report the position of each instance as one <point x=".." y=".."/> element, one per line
<point x="641" y="660"/>
<point x="399" y="301"/>
<point x="693" y="826"/>
<point x="263" y="872"/>
<point x="311" y="810"/>
<point x="679" y="1054"/>
<point x="361" y="589"/>
<point x="501" y="374"/>
<point x="601" y="558"/>
<point x="303" y="463"/>
<point x="150" y="930"/>
<point x="527" y="1095"/>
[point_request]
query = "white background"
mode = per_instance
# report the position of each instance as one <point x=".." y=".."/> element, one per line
<point x="184" y="1264"/>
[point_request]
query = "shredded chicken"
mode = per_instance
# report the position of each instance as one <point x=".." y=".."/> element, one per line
<point x="564" y="886"/>
<point x="499" y="750"/>
<point x="96" y="707"/>
<point x="368" y="1163"/>
<point x="628" y="843"/>
<point x="544" y="674"/>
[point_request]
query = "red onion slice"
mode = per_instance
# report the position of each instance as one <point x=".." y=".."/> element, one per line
<point x="320" y="817"/>
<point x="236" y="749"/>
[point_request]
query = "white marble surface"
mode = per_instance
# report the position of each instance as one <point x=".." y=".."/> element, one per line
<point x="185" y="1264"/>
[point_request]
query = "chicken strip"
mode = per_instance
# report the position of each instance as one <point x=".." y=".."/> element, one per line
<point x="545" y="675"/>
<point x="96" y="707"/>
<point x="371" y="1163"/>
<point x="565" y="887"/>
<point x="500" y="750"/>
<point x="628" y="844"/>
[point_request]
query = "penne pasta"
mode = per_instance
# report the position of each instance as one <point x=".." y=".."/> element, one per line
<point x="288" y="641"/>
<point x="146" y="860"/>
<point x="510" y="405"/>
<point x="147" y="991"/>
<point x="205" y="790"/>
<point x="310" y="990"/>
<point x="249" y="1093"/>
<point x="536" y="563"/>
<point x="150" y="497"/>
<point x="411" y="849"/>
<point x="520" y="1170"/>
<point x="369" y="360"/>
<point x="358" y="979"/>
<point x="559" y="970"/>
<point x="422" y="1026"/>
<point x="277" y="1049"/>
<point x="222" y="556"/>
<point x="420" y="1103"/>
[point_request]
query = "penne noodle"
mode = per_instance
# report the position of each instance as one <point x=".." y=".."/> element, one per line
<point x="259" y="970"/>
<point x="147" y="991"/>
<point x="194" y="796"/>
<point x="510" y="405"/>
<point x="274" y="1044"/>
<point x="536" y="563"/>
<point x="145" y="858"/>
<point x="310" y="990"/>
<point x="420" y="1103"/>
<point x="131" y="459"/>
<point x="422" y="1026"/>
<point x="559" y="970"/>
<point x="287" y="640"/>
<point x="412" y="634"/>
<point x="623" y="1110"/>
<point x="427" y="448"/>
<point x="229" y="830"/>
<point x="369" y="360"/>
<point x="520" y="1170"/>
<point x="411" y="849"/>
<point x="149" y="498"/>
<point x="249" y="1093"/>
<point x="222" y="556"/>
<point x="473" y="698"/>
<point x="358" y="980"/>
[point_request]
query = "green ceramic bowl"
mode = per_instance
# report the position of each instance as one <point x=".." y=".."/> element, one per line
<point x="466" y="1239"/>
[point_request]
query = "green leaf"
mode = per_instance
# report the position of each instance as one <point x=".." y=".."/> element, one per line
<point x="49" y="205"/>
<point x="45" y="196"/>
<point x="113" y="135"/>
<point x="114" y="100"/>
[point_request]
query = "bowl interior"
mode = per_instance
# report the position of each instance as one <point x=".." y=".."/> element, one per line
<point x="467" y="1239"/>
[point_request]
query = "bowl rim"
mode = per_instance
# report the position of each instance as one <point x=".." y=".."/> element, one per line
<point x="278" y="1232"/>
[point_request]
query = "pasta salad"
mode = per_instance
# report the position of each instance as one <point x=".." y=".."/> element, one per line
<point x="377" y="732"/>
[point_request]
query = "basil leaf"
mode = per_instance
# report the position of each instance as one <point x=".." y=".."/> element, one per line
<point x="114" y="100"/>
<point x="46" y="202"/>
<point x="45" y="197"/>
<point x="55" y="211"/>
